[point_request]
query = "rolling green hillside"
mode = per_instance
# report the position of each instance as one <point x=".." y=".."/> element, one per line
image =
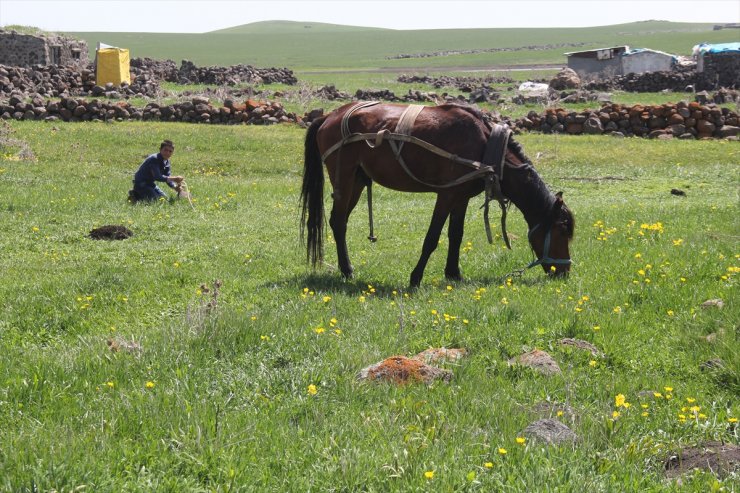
<point x="292" y="27"/>
<point x="331" y="47"/>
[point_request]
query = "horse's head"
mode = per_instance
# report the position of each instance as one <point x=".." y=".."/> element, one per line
<point x="550" y="239"/>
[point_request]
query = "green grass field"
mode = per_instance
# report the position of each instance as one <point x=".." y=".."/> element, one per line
<point x="221" y="399"/>
<point x="311" y="46"/>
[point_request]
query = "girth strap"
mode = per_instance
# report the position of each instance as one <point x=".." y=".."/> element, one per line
<point x="495" y="156"/>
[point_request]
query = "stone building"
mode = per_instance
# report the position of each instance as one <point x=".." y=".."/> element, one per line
<point x="26" y="50"/>
<point x="620" y="60"/>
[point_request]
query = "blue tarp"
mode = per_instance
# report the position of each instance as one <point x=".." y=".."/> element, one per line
<point x="717" y="48"/>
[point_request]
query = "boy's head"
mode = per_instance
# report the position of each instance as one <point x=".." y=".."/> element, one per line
<point x="166" y="148"/>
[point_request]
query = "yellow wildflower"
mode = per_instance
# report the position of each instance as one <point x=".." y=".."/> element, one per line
<point x="312" y="390"/>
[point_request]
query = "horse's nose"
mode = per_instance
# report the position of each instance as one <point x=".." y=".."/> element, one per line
<point x="559" y="270"/>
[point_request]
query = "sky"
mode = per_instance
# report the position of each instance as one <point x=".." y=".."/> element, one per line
<point x="197" y="16"/>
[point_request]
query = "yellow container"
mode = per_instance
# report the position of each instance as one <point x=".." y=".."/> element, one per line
<point x="113" y="65"/>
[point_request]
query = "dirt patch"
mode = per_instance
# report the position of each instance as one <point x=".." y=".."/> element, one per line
<point x="402" y="370"/>
<point x="116" y="345"/>
<point x="538" y="360"/>
<point x="550" y="431"/>
<point x="717" y="457"/>
<point x="441" y="355"/>
<point x="111" y="232"/>
<point x="579" y="344"/>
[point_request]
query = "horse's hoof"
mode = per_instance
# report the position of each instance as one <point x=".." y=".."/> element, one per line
<point x="454" y="277"/>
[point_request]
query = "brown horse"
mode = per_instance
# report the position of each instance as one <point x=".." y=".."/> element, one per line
<point x="449" y="135"/>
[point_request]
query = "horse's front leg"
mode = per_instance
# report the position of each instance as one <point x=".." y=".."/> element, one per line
<point x="345" y="199"/>
<point x="439" y="216"/>
<point x="455" y="236"/>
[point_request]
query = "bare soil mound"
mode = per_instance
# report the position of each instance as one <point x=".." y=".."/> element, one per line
<point x="717" y="457"/>
<point x="111" y="232"/>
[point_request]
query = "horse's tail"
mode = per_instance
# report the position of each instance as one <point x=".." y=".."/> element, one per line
<point x="312" y="197"/>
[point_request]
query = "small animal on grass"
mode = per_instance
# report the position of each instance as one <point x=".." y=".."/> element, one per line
<point x="450" y="150"/>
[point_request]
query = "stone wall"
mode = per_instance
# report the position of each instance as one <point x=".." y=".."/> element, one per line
<point x="723" y="68"/>
<point x="680" y="120"/>
<point x="26" y="50"/>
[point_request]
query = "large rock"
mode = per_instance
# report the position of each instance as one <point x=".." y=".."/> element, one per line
<point x="567" y="78"/>
<point x="593" y="126"/>
<point x="538" y="360"/>
<point x="403" y="370"/>
<point x="550" y="431"/>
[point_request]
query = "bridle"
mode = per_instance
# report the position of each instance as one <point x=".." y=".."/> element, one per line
<point x="545" y="259"/>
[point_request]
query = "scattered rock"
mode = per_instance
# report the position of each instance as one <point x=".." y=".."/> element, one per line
<point x="719" y="458"/>
<point x="718" y="303"/>
<point x="538" y="360"/>
<point x="550" y="431"/>
<point x="441" y="355"/>
<point x="111" y="232"/>
<point x="402" y="370"/>
<point x="579" y="344"/>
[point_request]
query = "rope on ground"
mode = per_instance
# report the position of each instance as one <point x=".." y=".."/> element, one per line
<point x="184" y="188"/>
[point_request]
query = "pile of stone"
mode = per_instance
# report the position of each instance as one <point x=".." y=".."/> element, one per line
<point x="677" y="81"/>
<point x="55" y="81"/>
<point x="331" y="93"/>
<point x="233" y="75"/>
<point x="681" y="120"/>
<point x="149" y="68"/>
<point x="465" y="84"/>
<point x="195" y="110"/>
<point x="50" y="81"/>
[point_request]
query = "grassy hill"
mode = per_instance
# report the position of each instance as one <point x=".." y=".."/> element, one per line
<point x="315" y="46"/>
<point x="293" y="27"/>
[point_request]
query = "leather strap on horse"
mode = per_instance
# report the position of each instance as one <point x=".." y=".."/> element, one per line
<point x="346" y="133"/>
<point x="491" y="170"/>
<point x="495" y="156"/>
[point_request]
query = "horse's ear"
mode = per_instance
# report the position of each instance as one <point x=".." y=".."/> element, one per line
<point x="558" y="201"/>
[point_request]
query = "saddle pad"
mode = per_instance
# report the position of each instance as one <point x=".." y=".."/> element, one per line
<point x="408" y="117"/>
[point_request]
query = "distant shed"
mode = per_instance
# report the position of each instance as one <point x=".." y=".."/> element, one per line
<point x="620" y="60"/>
<point x="643" y="60"/>
<point x="605" y="61"/>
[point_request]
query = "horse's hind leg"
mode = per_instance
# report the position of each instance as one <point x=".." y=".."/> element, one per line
<point x="344" y="202"/>
<point x="441" y="211"/>
<point x="455" y="236"/>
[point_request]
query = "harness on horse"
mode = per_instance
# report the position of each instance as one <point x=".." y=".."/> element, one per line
<point x="491" y="170"/>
